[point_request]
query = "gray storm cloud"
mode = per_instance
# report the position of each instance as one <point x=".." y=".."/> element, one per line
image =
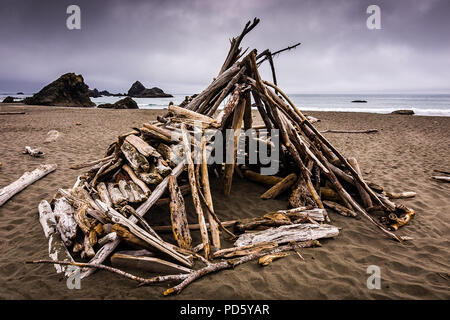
<point x="180" y="45"/>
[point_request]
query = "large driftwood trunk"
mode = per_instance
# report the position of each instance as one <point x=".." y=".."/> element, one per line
<point x="65" y="222"/>
<point x="288" y="233"/>
<point x="24" y="181"/>
<point x="178" y="218"/>
<point x="57" y="251"/>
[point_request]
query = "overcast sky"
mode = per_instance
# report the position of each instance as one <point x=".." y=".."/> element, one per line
<point x="180" y="45"/>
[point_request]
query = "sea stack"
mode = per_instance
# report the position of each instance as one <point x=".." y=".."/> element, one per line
<point x="126" y="103"/>
<point x="138" y="90"/>
<point x="69" y="90"/>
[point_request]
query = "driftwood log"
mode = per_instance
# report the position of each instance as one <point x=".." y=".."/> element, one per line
<point x="24" y="181"/>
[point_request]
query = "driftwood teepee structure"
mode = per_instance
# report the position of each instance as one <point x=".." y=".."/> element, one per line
<point x="107" y="203"/>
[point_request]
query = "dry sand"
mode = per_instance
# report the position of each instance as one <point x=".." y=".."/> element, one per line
<point x="401" y="157"/>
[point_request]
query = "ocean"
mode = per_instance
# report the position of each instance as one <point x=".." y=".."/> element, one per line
<point x="421" y="104"/>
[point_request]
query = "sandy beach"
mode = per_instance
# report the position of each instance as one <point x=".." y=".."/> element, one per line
<point x="400" y="157"/>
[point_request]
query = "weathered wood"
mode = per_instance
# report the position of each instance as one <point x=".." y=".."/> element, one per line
<point x="280" y="187"/>
<point x="218" y="83"/>
<point x="236" y="127"/>
<point x="401" y="195"/>
<point x="230" y="106"/>
<point x="56" y="248"/>
<point x="194" y="226"/>
<point x="215" y="235"/>
<point x="262" y="179"/>
<point x="406" y="215"/>
<point x="243" y="250"/>
<point x="117" y="197"/>
<point x="136" y="180"/>
<point x="37" y="153"/>
<point x="85" y="225"/>
<point x="192" y="115"/>
<point x="125" y="234"/>
<point x="91" y="163"/>
<point x="136" y="160"/>
<point x="24" y="181"/>
<point x="138" y="193"/>
<point x="329" y="194"/>
<point x="178" y="218"/>
<point x="143" y="147"/>
<point x="153" y="135"/>
<point x="129" y="211"/>
<point x="226" y="91"/>
<point x="438" y="178"/>
<point x="167" y="153"/>
<point x="349" y="131"/>
<point x="268" y="259"/>
<point x="194" y="192"/>
<point x="65" y="221"/>
<point x="315" y="214"/>
<point x="150" y="239"/>
<point x="300" y="195"/>
<point x="112" y="236"/>
<point x="365" y="197"/>
<point x="344" y="211"/>
<point x="125" y="189"/>
<point x="149" y="264"/>
<point x="103" y="193"/>
<point x="287" y="233"/>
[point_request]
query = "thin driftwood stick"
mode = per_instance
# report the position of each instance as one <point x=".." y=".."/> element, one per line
<point x="24" y="181"/>
<point x="350" y="131"/>
<point x="91" y="163"/>
<point x="193" y="226"/>
<point x="215" y="235"/>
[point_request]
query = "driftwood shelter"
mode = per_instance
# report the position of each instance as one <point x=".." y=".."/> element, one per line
<point x="108" y="203"/>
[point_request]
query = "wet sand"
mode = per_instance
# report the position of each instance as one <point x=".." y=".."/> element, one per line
<point x="401" y="157"/>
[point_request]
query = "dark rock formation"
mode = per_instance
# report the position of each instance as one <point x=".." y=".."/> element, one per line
<point x="8" y="99"/>
<point x="20" y="93"/>
<point x="359" y="101"/>
<point x="403" y="112"/>
<point x="138" y="90"/>
<point x="69" y="91"/>
<point x="126" y="103"/>
<point x="105" y="93"/>
<point x="94" y="93"/>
